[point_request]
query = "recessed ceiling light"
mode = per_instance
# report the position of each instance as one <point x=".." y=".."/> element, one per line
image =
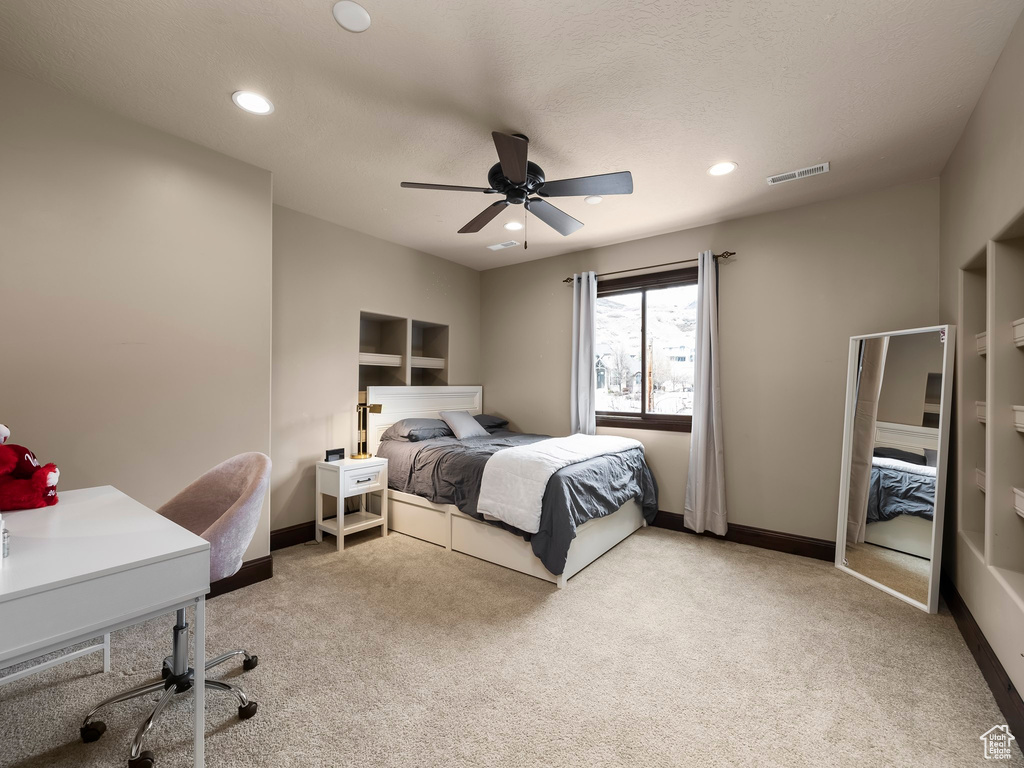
<point x="593" y="199"/>
<point x="512" y="226"/>
<point x="351" y="16"/>
<point x="252" y="102"/>
<point x="720" y="169"/>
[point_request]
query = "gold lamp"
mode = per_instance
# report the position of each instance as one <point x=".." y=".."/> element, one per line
<point x="361" y="410"/>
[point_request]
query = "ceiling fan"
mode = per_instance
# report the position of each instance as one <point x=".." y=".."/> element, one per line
<point x="523" y="183"/>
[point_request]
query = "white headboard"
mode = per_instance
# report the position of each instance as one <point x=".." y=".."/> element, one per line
<point x="906" y="436"/>
<point x="416" y="403"/>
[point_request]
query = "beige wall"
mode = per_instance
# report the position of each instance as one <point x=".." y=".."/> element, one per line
<point x="983" y="183"/>
<point x="135" y="293"/>
<point x="982" y="193"/>
<point x="324" y="275"/>
<point x="805" y="280"/>
<point x="908" y="361"/>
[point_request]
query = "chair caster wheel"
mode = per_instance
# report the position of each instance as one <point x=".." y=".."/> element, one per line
<point x="247" y="711"/>
<point x="251" y="663"/>
<point x="144" y="760"/>
<point x="92" y="731"/>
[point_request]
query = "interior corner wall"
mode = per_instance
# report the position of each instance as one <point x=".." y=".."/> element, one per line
<point x="135" y="294"/>
<point x="982" y="185"/>
<point x="803" y="282"/>
<point x="324" y="275"/>
<point x="982" y="194"/>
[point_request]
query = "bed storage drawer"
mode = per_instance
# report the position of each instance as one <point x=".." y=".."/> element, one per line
<point x="418" y="520"/>
<point x="496" y="545"/>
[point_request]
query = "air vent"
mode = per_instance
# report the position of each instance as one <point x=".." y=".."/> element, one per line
<point x="506" y="244"/>
<point x="803" y="173"/>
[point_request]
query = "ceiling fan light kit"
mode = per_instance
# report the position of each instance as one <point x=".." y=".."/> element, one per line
<point x="523" y="183"/>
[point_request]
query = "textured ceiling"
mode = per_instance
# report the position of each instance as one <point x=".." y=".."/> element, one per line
<point x="881" y="88"/>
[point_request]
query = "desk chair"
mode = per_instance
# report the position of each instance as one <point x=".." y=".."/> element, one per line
<point x="223" y="507"/>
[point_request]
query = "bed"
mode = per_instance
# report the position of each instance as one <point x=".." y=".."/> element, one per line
<point x="434" y="485"/>
<point x="901" y="498"/>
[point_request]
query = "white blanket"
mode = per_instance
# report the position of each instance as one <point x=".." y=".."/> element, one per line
<point x="514" y="479"/>
<point x="902" y="466"/>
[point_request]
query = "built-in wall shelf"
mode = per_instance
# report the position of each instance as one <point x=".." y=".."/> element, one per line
<point x="976" y="541"/>
<point x="399" y="351"/>
<point x="429" y="350"/>
<point x="432" y="363"/>
<point x="383" y="350"/>
<point x="381" y="359"/>
<point x="1003" y="459"/>
<point x="971" y="392"/>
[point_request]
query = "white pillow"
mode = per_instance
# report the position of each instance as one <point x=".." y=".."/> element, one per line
<point x="463" y="424"/>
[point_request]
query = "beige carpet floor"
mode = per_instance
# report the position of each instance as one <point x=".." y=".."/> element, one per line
<point x="671" y="650"/>
<point x="905" y="573"/>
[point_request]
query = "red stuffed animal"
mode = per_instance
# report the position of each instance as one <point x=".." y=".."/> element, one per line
<point x="24" y="484"/>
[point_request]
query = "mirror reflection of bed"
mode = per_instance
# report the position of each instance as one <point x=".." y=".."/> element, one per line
<point x="894" y="450"/>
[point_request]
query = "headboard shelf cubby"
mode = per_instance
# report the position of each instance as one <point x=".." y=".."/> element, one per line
<point x="400" y="351"/>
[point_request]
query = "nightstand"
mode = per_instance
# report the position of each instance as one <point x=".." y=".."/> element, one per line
<point x="347" y="478"/>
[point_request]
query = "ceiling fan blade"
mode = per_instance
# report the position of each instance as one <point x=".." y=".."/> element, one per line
<point x="511" y="155"/>
<point x="484" y="217"/>
<point x="558" y="220"/>
<point x="620" y="183"/>
<point x="449" y="187"/>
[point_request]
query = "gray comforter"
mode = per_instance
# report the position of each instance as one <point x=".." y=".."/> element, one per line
<point x="448" y="471"/>
<point x="896" y="491"/>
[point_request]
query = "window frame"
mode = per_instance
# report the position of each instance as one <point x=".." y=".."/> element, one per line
<point x="643" y="283"/>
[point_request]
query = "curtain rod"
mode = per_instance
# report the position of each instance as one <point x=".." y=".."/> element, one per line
<point x="723" y="256"/>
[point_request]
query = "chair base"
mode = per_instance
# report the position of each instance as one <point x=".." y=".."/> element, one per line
<point x="178" y="678"/>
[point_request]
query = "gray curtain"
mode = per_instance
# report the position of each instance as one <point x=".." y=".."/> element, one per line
<point x="584" y="376"/>
<point x="705" y="481"/>
<point x="869" y="386"/>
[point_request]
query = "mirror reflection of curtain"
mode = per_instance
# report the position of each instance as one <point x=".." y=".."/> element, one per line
<point x="869" y="386"/>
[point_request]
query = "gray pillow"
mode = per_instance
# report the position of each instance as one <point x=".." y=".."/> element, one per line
<point x="490" y="423"/>
<point x="463" y="424"/>
<point x="414" y="430"/>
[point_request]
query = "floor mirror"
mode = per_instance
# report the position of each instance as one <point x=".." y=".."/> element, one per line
<point x="895" y="446"/>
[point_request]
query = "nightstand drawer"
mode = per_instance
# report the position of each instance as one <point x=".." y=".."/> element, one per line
<point x="365" y="480"/>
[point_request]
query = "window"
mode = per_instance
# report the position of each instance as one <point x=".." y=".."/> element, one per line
<point x="644" y="349"/>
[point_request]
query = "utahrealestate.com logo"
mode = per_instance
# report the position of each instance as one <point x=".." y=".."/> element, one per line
<point x="998" y="743"/>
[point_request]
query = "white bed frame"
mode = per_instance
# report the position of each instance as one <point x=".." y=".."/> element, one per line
<point x="446" y="526"/>
<point x="905" y="533"/>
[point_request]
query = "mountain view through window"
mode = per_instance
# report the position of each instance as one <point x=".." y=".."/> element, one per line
<point x="664" y="385"/>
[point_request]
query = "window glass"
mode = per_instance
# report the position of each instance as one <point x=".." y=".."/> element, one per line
<point x="617" y="347"/>
<point x="671" y="334"/>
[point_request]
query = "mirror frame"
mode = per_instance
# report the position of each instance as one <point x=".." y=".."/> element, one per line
<point x="941" y="470"/>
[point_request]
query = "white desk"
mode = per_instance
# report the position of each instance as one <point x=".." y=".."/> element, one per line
<point x="93" y="563"/>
